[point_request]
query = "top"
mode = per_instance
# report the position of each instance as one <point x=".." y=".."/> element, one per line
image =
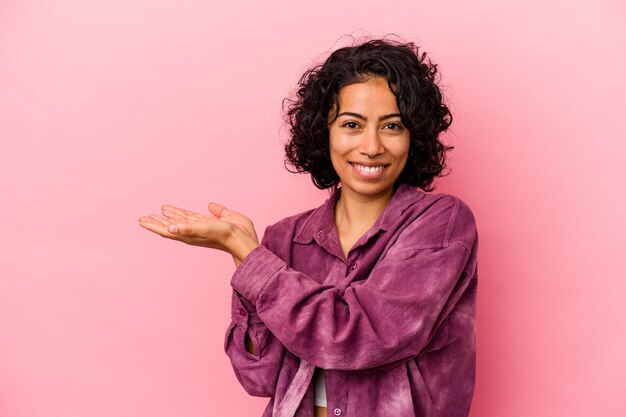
<point x="319" y="388"/>
<point x="393" y="325"/>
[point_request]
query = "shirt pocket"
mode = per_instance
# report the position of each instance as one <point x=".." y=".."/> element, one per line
<point x="401" y="252"/>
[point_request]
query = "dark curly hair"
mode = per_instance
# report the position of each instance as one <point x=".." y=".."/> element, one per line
<point x="411" y="76"/>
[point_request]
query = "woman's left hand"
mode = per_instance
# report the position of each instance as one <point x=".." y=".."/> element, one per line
<point x="226" y="230"/>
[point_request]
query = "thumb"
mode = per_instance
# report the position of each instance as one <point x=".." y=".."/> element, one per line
<point x="216" y="209"/>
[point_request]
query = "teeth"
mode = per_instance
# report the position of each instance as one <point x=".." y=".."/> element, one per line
<point x="368" y="169"/>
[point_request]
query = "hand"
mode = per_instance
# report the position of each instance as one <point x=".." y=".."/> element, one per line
<point x="238" y="219"/>
<point x="234" y="217"/>
<point x="225" y="230"/>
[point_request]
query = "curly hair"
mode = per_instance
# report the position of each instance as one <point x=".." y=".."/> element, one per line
<point x="412" y="78"/>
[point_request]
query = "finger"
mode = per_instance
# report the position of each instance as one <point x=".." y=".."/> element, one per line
<point x="171" y="228"/>
<point x="172" y="215"/>
<point x="149" y="224"/>
<point x="172" y="209"/>
<point x="152" y="218"/>
<point x="180" y="211"/>
<point x="145" y="220"/>
<point x="181" y="229"/>
<point x="159" y="220"/>
<point x="216" y="209"/>
<point x="153" y="227"/>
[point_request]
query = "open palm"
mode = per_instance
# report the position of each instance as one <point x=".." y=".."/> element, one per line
<point x="215" y="230"/>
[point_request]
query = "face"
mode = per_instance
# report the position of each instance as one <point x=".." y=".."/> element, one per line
<point x="369" y="145"/>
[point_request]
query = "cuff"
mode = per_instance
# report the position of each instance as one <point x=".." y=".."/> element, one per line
<point x="243" y="312"/>
<point x="254" y="271"/>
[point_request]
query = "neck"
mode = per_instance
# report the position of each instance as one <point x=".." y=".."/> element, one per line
<point x="357" y="212"/>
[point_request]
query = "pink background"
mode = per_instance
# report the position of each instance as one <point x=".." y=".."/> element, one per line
<point x="109" y="109"/>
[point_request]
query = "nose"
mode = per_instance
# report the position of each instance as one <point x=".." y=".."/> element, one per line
<point x="371" y="144"/>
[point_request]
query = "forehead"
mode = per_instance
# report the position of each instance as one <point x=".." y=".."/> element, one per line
<point x="371" y="95"/>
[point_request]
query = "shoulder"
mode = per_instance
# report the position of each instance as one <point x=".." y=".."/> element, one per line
<point x="284" y="231"/>
<point x="291" y="223"/>
<point x="300" y="227"/>
<point x="438" y="220"/>
<point x="452" y="210"/>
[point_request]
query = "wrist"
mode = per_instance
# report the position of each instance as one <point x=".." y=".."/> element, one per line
<point x="242" y="244"/>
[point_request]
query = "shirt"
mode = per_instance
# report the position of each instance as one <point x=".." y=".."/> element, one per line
<point x="393" y="325"/>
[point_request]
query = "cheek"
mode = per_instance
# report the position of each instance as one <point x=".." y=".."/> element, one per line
<point x="401" y="150"/>
<point x="335" y="155"/>
<point x="337" y="147"/>
<point x="333" y="161"/>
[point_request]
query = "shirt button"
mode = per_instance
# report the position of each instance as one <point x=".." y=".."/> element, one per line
<point x="353" y="267"/>
<point x="337" y="411"/>
<point x="242" y="312"/>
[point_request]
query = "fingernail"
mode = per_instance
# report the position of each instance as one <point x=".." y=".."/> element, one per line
<point x="172" y="228"/>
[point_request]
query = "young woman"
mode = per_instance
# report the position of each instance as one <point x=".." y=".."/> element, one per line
<point x="364" y="306"/>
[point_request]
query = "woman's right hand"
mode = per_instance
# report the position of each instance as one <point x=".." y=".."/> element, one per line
<point x="225" y="229"/>
<point x="236" y="218"/>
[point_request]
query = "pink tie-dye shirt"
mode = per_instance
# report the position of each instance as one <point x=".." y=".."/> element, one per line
<point x="393" y="325"/>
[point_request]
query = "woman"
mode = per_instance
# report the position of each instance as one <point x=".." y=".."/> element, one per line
<point x="364" y="306"/>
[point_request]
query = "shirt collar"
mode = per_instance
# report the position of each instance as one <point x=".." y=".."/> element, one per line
<point x="321" y="221"/>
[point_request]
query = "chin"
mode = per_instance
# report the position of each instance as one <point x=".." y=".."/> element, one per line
<point x="368" y="189"/>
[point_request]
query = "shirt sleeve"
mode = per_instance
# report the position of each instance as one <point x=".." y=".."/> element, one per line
<point x="257" y="373"/>
<point x="388" y="317"/>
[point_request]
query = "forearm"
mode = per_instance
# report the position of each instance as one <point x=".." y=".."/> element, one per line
<point x="254" y="352"/>
<point x="389" y="318"/>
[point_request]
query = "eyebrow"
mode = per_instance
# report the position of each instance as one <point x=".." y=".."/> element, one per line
<point x="359" y="116"/>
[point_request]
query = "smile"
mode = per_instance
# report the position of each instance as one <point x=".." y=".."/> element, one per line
<point x="368" y="172"/>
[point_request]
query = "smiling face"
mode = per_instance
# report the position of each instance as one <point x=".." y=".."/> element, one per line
<point x="369" y="145"/>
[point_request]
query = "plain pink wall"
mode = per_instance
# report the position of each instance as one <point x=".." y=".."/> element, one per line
<point x="109" y="109"/>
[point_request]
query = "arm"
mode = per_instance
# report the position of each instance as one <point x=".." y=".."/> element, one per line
<point x="389" y="317"/>
<point x="257" y="366"/>
<point x="257" y="371"/>
<point x="224" y="229"/>
<point x="254" y="352"/>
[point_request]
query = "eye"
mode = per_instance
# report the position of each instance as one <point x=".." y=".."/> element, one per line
<point x="393" y="126"/>
<point x="350" y="125"/>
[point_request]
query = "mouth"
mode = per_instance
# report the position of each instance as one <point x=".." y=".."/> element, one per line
<point x="371" y="171"/>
